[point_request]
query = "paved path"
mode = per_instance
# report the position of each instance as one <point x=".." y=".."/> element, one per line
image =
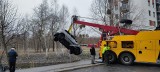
<point x="61" y="67"/>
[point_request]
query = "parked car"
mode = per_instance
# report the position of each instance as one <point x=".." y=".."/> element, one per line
<point x="68" y="40"/>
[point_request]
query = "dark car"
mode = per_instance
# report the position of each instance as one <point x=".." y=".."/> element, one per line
<point x="66" y="39"/>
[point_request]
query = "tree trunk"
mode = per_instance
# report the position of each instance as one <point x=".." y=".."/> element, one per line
<point x="5" y="47"/>
<point x="53" y="45"/>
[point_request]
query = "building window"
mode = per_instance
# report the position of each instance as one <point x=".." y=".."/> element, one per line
<point x="158" y="16"/>
<point x="116" y="16"/>
<point x="148" y="2"/>
<point x="153" y="14"/>
<point x="116" y="2"/>
<point x="152" y="23"/>
<point x="153" y="3"/>
<point x="158" y="8"/>
<point x="116" y="7"/>
<point x="127" y="44"/>
<point x="149" y="13"/>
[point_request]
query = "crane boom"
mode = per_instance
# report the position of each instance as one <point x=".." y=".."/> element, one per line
<point x="111" y="29"/>
<point x="106" y="28"/>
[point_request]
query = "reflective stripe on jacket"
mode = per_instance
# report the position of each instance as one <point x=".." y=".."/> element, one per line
<point x="105" y="49"/>
<point x="108" y="48"/>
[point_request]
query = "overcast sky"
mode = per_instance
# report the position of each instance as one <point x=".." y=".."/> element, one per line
<point x="82" y="6"/>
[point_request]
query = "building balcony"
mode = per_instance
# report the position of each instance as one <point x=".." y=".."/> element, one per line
<point x="158" y="2"/>
<point x="158" y="11"/>
<point x="124" y="10"/>
<point x="158" y="8"/>
<point x="124" y="1"/>
<point x="125" y="17"/>
<point x="158" y="20"/>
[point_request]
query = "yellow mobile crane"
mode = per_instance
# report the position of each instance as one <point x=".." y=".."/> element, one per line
<point x="136" y="46"/>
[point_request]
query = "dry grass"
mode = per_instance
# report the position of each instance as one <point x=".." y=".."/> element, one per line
<point x="32" y="59"/>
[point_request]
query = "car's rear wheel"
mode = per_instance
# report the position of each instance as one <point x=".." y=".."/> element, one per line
<point x="55" y="39"/>
<point x="71" y="50"/>
<point x="75" y="50"/>
<point x="61" y="36"/>
<point x="126" y="59"/>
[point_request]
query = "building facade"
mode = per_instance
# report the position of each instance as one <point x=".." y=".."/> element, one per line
<point x="144" y="13"/>
<point x="147" y="11"/>
<point x="149" y="8"/>
<point x="158" y="12"/>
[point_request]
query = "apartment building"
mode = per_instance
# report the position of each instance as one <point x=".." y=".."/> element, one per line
<point x="158" y="11"/>
<point x="150" y="9"/>
<point x="150" y="17"/>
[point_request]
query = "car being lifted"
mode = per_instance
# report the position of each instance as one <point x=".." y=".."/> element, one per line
<point x="68" y="40"/>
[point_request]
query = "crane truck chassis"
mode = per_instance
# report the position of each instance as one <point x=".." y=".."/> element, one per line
<point x="143" y="47"/>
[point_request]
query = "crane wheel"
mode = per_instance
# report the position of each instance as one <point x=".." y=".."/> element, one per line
<point x="126" y="59"/>
<point x="112" y="57"/>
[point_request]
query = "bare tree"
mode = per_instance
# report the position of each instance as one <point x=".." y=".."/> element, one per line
<point x="23" y="30"/>
<point x="64" y="15"/>
<point x="77" y="29"/>
<point x="137" y="15"/>
<point x="34" y="39"/>
<point x="103" y="10"/>
<point x="7" y="21"/>
<point x="54" y="21"/>
<point x="99" y="10"/>
<point x="47" y="20"/>
<point x="41" y="17"/>
<point x="111" y="12"/>
<point x="58" y="19"/>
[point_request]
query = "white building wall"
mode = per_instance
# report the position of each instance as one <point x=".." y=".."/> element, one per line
<point x="143" y="5"/>
<point x="143" y="21"/>
<point x="116" y="11"/>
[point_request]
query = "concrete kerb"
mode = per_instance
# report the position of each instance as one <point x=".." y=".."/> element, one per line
<point x="63" y="67"/>
<point x="76" y="67"/>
